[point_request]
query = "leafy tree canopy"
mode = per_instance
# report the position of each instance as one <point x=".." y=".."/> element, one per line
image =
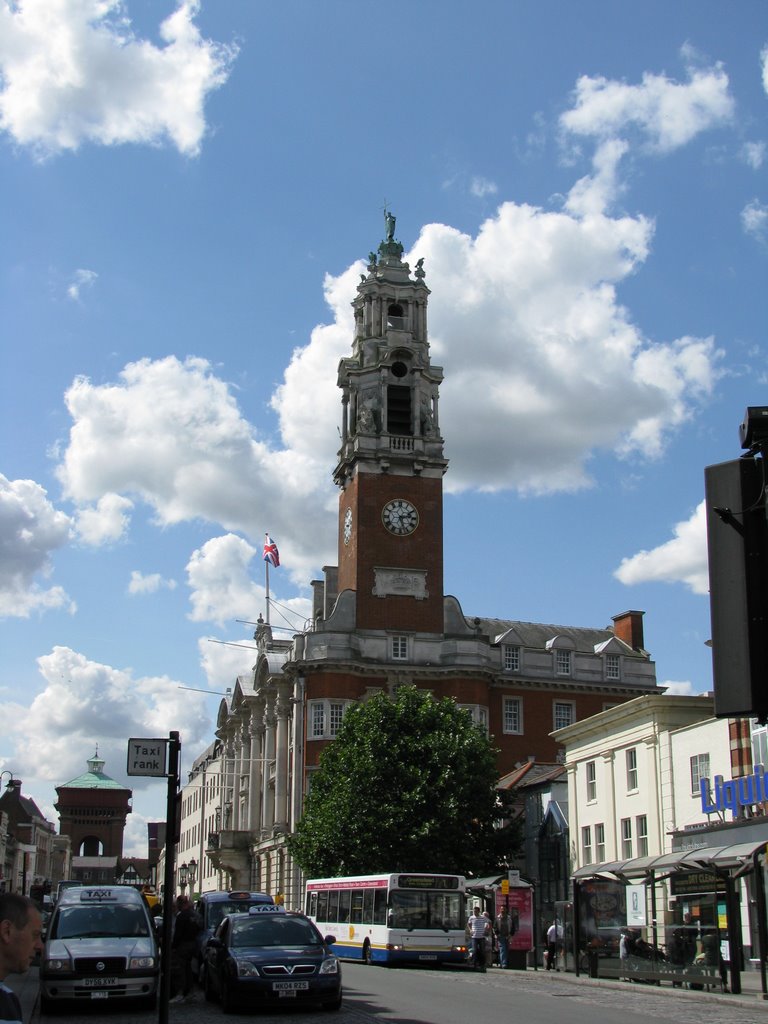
<point x="409" y="784"/>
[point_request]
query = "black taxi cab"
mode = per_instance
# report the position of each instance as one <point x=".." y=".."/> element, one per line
<point x="271" y="956"/>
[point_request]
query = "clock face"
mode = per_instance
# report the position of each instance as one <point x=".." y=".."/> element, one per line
<point x="348" y="526"/>
<point x="400" y="517"/>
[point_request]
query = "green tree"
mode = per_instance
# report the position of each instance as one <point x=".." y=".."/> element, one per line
<point x="409" y="784"/>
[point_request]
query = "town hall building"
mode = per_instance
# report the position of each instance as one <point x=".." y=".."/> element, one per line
<point x="381" y="618"/>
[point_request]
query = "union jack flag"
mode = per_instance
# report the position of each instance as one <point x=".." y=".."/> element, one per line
<point x="271" y="554"/>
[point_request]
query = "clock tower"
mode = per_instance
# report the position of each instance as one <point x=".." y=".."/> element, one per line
<point x="391" y="461"/>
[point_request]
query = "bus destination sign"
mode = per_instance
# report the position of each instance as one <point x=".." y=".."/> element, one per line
<point x="428" y="881"/>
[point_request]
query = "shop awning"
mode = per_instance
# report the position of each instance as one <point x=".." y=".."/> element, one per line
<point x="705" y="858"/>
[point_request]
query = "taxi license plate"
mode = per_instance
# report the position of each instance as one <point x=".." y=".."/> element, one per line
<point x="99" y="993"/>
<point x="100" y="982"/>
<point x="289" y="988"/>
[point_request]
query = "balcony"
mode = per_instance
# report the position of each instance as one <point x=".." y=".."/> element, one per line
<point x="231" y="851"/>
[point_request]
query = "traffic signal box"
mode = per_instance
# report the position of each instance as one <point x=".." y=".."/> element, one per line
<point x="737" y="537"/>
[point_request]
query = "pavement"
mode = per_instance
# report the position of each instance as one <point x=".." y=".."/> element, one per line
<point x="26" y="986"/>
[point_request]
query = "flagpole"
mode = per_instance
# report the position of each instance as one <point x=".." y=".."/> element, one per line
<point x="266" y="569"/>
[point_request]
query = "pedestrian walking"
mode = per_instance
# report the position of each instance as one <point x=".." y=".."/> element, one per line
<point x="554" y="942"/>
<point x="479" y="928"/>
<point x="503" y="929"/>
<point x="21" y="928"/>
<point x="624" y="953"/>
<point x="186" y="928"/>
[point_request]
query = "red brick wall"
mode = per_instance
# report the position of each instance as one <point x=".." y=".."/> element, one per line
<point x="372" y="545"/>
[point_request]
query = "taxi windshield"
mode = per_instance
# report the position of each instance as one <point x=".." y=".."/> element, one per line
<point x="275" y="931"/>
<point x="96" y="922"/>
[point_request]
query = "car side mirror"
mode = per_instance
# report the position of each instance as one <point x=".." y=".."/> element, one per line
<point x="329" y="940"/>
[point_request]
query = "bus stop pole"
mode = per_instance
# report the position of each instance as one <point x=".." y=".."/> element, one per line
<point x="174" y="746"/>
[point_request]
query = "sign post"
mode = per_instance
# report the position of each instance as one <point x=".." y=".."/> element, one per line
<point x="157" y="758"/>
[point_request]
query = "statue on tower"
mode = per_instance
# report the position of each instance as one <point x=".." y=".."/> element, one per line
<point x="390" y="221"/>
<point x="390" y="249"/>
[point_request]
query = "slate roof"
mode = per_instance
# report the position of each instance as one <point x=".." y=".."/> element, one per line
<point x="535" y="635"/>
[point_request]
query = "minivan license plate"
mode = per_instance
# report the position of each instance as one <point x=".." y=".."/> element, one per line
<point x="100" y="982"/>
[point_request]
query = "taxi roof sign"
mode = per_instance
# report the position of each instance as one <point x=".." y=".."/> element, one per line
<point x="104" y="894"/>
<point x="267" y="908"/>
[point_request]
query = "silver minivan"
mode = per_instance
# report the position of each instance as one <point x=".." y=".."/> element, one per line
<point x="101" y="945"/>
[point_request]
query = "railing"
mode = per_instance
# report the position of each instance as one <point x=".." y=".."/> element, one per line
<point x="397" y="323"/>
<point x="401" y="443"/>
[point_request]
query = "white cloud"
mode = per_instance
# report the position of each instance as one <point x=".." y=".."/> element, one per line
<point x="171" y="434"/>
<point x="224" y="662"/>
<point x="764" y="60"/>
<point x="683" y="688"/>
<point x="85" y="704"/>
<point x="150" y="584"/>
<point x="222" y="589"/>
<point x="105" y="522"/>
<point x="680" y="560"/>
<point x="482" y="187"/>
<point x="221" y="575"/>
<point x="668" y="114"/>
<point x="753" y="154"/>
<point x="83" y="279"/>
<point x="31" y="529"/>
<point x="754" y="220"/>
<point x="544" y="367"/>
<point x="73" y="71"/>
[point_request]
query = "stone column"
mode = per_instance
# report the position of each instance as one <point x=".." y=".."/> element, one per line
<point x="283" y="711"/>
<point x="243" y="801"/>
<point x="256" y="766"/>
<point x="229" y="788"/>
<point x="237" y="743"/>
<point x="608" y="760"/>
<point x="268" y="793"/>
<point x="345" y="414"/>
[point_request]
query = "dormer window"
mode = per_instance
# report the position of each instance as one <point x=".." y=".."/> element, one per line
<point x="511" y="657"/>
<point x="612" y="666"/>
<point x="562" y="662"/>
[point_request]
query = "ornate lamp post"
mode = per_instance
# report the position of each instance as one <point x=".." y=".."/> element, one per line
<point x="183" y="875"/>
<point x="192" y="875"/>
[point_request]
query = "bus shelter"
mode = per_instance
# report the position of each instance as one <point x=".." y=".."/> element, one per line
<point x="679" y="917"/>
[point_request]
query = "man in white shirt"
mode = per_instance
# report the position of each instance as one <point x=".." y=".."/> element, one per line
<point x="479" y="927"/>
<point x="554" y="941"/>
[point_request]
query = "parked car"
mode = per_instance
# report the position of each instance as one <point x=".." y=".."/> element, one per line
<point x="100" y="944"/>
<point x="271" y="956"/>
<point x="212" y="907"/>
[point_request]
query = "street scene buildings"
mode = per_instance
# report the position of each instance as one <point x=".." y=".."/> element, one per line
<point x="610" y="772"/>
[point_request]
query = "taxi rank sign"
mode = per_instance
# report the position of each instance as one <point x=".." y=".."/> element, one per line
<point x="147" y="757"/>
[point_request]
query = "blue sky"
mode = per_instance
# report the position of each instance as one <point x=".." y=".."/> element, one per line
<point x="188" y="191"/>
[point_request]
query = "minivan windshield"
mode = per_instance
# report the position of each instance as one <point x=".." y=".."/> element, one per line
<point x="95" y="922"/>
<point x="275" y="931"/>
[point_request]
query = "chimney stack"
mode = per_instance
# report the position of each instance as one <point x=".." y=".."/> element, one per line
<point x="629" y="627"/>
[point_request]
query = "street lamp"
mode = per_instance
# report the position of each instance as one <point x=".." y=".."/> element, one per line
<point x="183" y="874"/>
<point x="192" y="874"/>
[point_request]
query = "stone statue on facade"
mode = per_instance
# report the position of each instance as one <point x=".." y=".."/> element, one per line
<point x="426" y="417"/>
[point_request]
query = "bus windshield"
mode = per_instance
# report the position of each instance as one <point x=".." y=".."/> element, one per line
<point x="414" y="909"/>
